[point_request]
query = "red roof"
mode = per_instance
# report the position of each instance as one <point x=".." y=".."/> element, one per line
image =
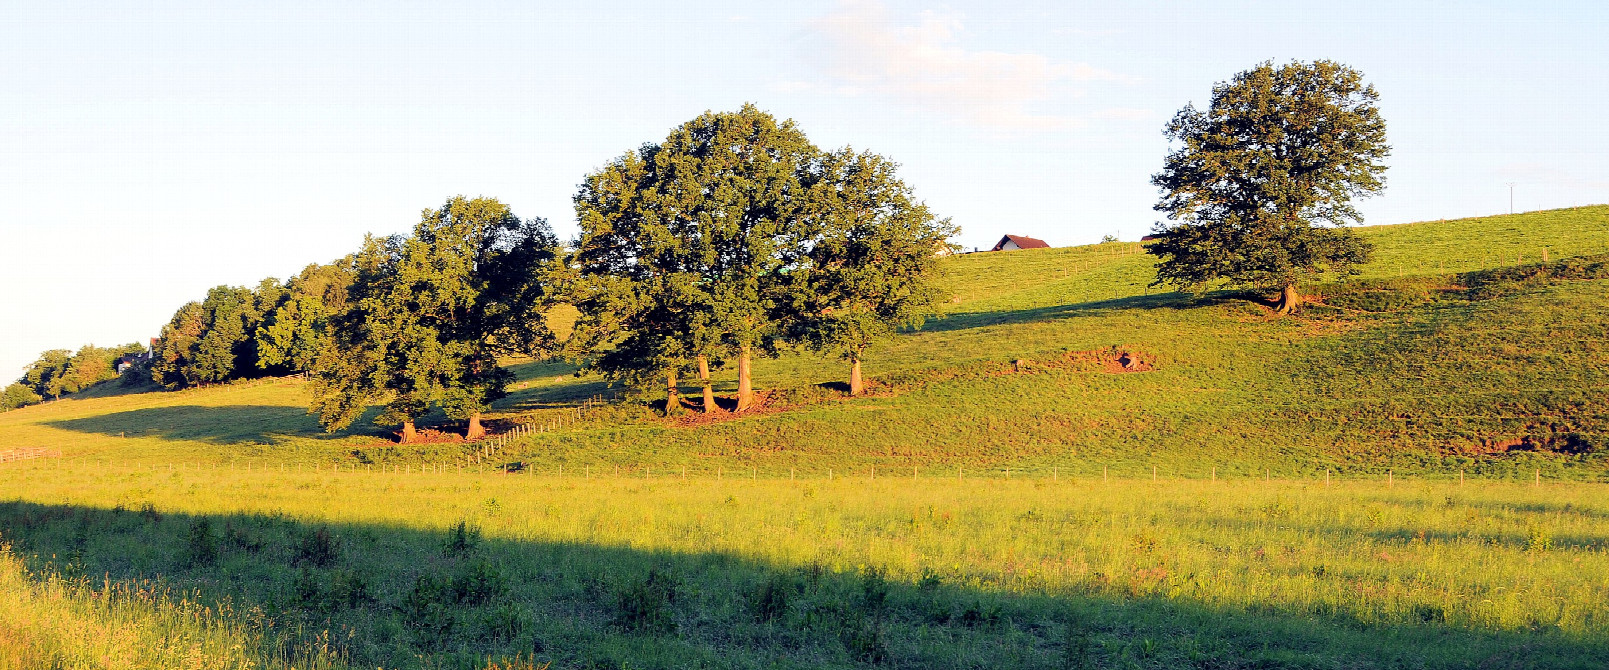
<point x="1022" y="242"/>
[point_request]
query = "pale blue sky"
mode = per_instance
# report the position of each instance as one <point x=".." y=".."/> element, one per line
<point x="149" y="151"/>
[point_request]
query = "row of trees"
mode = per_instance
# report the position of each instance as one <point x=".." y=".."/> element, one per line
<point x="237" y="332"/>
<point x="733" y="238"/>
<point x="60" y="372"/>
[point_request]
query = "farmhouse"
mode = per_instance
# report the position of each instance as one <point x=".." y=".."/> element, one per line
<point x="1011" y="242"/>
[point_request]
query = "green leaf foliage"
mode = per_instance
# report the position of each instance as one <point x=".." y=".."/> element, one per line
<point x="1261" y="183"/>
<point x="736" y="235"/>
<point x="175" y="350"/>
<point x="47" y="375"/>
<point x="429" y="313"/>
<point x="686" y="245"/>
<point x="294" y="326"/>
<point x="873" y="258"/>
<point x="18" y="394"/>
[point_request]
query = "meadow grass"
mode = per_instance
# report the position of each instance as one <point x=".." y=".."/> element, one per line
<point x="1422" y="387"/>
<point x="1011" y="522"/>
<point x="929" y="572"/>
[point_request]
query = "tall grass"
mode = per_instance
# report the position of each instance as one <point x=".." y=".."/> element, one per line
<point x="1416" y="574"/>
<point x="51" y="621"/>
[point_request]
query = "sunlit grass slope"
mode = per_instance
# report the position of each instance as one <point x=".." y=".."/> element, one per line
<point x="1498" y="386"/>
<point x="665" y="572"/>
<point x="992" y="505"/>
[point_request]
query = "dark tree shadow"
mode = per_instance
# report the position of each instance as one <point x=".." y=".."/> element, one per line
<point x="1169" y="301"/>
<point x="392" y="596"/>
<point x="226" y="424"/>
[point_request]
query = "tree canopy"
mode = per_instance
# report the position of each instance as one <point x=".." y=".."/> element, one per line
<point x="18" y="394"/>
<point x="695" y="236"/>
<point x="211" y="341"/>
<point x="59" y="372"/>
<point x="293" y="327"/>
<point x="429" y="313"/>
<point x="872" y="261"/>
<point x="1260" y="186"/>
<point x="736" y="236"/>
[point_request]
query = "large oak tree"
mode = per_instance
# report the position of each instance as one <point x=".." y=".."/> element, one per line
<point x="1260" y="186"/>
<point x="873" y="258"/>
<point x="430" y="313"/>
<point x="686" y="246"/>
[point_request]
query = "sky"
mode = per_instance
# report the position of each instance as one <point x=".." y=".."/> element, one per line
<point x="149" y="151"/>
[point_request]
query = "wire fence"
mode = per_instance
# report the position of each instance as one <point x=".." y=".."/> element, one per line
<point x="1075" y="473"/>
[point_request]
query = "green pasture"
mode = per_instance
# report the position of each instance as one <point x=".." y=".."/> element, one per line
<point x="1410" y="474"/>
<point x="372" y="569"/>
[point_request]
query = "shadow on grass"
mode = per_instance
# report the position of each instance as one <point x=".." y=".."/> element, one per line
<point x="226" y="424"/>
<point x="1175" y="301"/>
<point x="406" y="597"/>
<point x="549" y="385"/>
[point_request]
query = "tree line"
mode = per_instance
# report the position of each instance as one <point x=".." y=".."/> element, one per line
<point x="736" y="237"/>
<point x="733" y="238"/>
<point x="60" y="372"/>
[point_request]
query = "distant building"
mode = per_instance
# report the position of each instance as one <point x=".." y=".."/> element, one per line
<point x="1013" y="242"/>
<point x="130" y="360"/>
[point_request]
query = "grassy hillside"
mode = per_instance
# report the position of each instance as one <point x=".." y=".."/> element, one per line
<point x="1401" y="374"/>
<point x="1324" y="493"/>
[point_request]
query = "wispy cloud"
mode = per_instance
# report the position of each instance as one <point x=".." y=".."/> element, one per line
<point x="1540" y="173"/>
<point x="922" y="64"/>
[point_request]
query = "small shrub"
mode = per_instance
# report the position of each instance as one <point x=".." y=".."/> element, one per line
<point x="481" y="583"/>
<point x="1075" y="649"/>
<point x="349" y="590"/>
<point x="769" y="601"/>
<point x="201" y="545"/>
<point x="503" y="623"/>
<point x="236" y="537"/>
<point x="461" y="540"/>
<point x="646" y="606"/>
<point x="980" y="615"/>
<point x="1540" y="540"/>
<point x="425" y="613"/>
<point x="873" y="591"/>
<point x="863" y="639"/>
<point x="317" y="547"/>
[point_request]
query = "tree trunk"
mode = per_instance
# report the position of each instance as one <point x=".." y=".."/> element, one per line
<point x="704" y="378"/>
<point x="475" y="431"/>
<point x="1289" y="300"/>
<point x="408" y="432"/>
<point x="673" y="400"/>
<point x="745" y="381"/>
<point x="855" y="386"/>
